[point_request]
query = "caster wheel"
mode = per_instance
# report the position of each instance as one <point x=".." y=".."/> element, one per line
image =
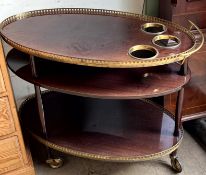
<point x="176" y="166"/>
<point x="55" y="163"/>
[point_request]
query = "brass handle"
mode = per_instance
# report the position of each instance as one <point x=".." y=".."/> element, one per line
<point x="198" y="43"/>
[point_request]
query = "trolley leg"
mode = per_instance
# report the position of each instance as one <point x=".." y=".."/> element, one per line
<point x="53" y="162"/>
<point x="178" y="112"/>
<point x="180" y="97"/>
<point x="176" y="166"/>
<point x="184" y="68"/>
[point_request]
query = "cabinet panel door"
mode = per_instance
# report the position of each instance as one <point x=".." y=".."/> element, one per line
<point x="6" y="121"/>
<point x="198" y="18"/>
<point x="188" y="6"/>
<point x="10" y="157"/>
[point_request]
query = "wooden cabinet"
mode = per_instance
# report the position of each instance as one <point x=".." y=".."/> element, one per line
<point x="6" y="121"/>
<point x="189" y="6"/>
<point x="10" y="157"/>
<point x="195" y="91"/>
<point x="14" y="159"/>
<point x="2" y="87"/>
<point x="184" y="10"/>
<point x="194" y="10"/>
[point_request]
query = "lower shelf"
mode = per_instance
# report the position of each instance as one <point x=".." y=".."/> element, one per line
<point x="109" y="130"/>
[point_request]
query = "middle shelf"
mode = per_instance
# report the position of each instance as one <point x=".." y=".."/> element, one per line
<point x="105" y="83"/>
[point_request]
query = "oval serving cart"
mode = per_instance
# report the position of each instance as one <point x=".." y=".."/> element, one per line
<point x="102" y="66"/>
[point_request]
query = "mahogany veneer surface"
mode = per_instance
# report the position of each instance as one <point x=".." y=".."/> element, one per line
<point x="113" y="128"/>
<point x="86" y="36"/>
<point x="99" y="82"/>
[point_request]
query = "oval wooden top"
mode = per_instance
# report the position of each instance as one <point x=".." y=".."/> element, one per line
<point x="98" y="38"/>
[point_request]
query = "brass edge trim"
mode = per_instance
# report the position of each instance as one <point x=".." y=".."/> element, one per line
<point x="100" y="63"/>
<point x="198" y="45"/>
<point x="108" y="158"/>
<point x="159" y="37"/>
<point x="153" y="24"/>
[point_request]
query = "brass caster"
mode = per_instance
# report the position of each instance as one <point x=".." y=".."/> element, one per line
<point x="55" y="163"/>
<point x="176" y="166"/>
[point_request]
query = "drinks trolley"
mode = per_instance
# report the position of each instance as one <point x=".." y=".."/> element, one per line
<point x="102" y="66"/>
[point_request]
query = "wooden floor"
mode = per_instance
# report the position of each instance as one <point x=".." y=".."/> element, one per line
<point x="191" y="155"/>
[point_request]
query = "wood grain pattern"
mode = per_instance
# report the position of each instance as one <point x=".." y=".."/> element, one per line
<point x="25" y="171"/>
<point x="22" y="160"/>
<point x="10" y="95"/>
<point x="2" y="87"/>
<point x="6" y="121"/>
<point x="10" y="157"/>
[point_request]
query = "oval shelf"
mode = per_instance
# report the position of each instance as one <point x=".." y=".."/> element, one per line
<point x="109" y="130"/>
<point x="99" y="82"/>
<point x="89" y="37"/>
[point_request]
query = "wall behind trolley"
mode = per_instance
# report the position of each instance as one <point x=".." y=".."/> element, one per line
<point x="8" y="8"/>
<point x="11" y="7"/>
